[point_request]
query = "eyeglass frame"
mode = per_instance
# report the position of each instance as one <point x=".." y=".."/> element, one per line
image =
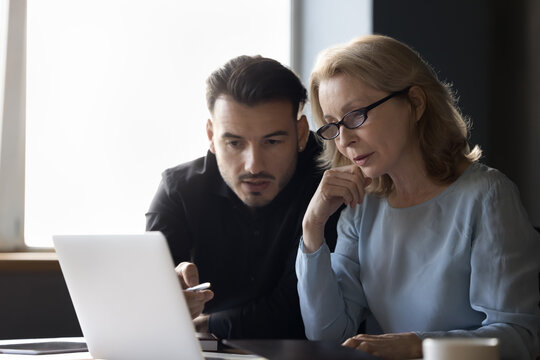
<point x="364" y="112"/>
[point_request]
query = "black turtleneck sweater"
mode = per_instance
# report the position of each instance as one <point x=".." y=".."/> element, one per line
<point x="248" y="254"/>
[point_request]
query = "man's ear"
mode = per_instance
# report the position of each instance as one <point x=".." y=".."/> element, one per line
<point x="302" y="129"/>
<point x="210" y="134"/>
<point x="417" y="97"/>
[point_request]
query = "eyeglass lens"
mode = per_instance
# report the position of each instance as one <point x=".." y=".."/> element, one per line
<point x="351" y="121"/>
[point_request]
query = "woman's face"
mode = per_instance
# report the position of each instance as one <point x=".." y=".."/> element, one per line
<point x="386" y="142"/>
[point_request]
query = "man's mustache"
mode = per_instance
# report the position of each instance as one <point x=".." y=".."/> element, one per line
<point x="258" y="176"/>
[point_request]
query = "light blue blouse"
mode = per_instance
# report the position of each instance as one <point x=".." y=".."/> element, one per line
<point x="465" y="263"/>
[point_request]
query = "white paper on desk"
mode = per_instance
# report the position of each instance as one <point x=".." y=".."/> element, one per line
<point x="65" y="356"/>
<point x="224" y="356"/>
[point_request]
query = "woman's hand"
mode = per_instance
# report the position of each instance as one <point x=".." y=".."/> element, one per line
<point x="388" y="346"/>
<point x="342" y="185"/>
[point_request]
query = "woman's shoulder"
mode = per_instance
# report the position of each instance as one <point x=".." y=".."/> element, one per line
<point x="483" y="179"/>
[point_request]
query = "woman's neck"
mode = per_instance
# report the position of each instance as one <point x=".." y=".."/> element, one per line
<point x="415" y="187"/>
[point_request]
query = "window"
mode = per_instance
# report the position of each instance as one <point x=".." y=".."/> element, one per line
<point x="116" y="94"/>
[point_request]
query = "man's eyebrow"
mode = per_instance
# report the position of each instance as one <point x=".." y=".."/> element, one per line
<point x="273" y="134"/>
<point x="230" y="135"/>
<point x="277" y="133"/>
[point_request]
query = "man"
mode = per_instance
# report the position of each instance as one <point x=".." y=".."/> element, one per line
<point x="234" y="217"/>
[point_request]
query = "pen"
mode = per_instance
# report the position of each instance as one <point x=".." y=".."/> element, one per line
<point x="199" y="287"/>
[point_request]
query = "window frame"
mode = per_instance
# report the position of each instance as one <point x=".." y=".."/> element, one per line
<point x="12" y="123"/>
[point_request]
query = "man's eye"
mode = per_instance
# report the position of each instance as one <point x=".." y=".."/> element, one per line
<point x="233" y="143"/>
<point x="273" y="141"/>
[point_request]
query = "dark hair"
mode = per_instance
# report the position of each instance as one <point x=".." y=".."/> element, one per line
<point x="254" y="79"/>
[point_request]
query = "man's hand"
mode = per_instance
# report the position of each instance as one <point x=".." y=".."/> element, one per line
<point x="388" y="346"/>
<point x="201" y="323"/>
<point x="189" y="276"/>
<point x="196" y="301"/>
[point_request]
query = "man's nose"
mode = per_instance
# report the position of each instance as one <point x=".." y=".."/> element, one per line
<point x="254" y="160"/>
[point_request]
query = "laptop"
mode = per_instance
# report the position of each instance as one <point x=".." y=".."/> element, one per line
<point x="128" y="298"/>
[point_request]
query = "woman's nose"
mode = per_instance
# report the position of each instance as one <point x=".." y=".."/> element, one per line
<point x="347" y="136"/>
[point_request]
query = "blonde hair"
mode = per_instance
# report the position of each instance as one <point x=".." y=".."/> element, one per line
<point x="388" y="65"/>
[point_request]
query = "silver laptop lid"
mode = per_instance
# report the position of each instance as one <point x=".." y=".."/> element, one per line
<point x="127" y="296"/>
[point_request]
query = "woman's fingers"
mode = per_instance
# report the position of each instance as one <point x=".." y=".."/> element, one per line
<point x="388" y="346"/>
<point x="347" y="183"/>
<point x="343" y="185"/>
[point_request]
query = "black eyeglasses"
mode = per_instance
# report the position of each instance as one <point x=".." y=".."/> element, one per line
<point x="353" y="119"/>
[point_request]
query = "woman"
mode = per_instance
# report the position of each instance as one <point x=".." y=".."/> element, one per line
<point x="432" y="243"/>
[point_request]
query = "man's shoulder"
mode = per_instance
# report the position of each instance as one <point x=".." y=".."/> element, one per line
<point x="191" y="174"/>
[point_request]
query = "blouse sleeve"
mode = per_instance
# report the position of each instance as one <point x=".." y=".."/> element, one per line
<point x="332" y="299"/>
<point x="505" y="268"/>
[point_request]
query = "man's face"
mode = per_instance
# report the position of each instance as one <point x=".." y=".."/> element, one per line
<point x="255" y="147"/>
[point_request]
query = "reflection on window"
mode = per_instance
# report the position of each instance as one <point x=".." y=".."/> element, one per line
<point x="115" y="94"/>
